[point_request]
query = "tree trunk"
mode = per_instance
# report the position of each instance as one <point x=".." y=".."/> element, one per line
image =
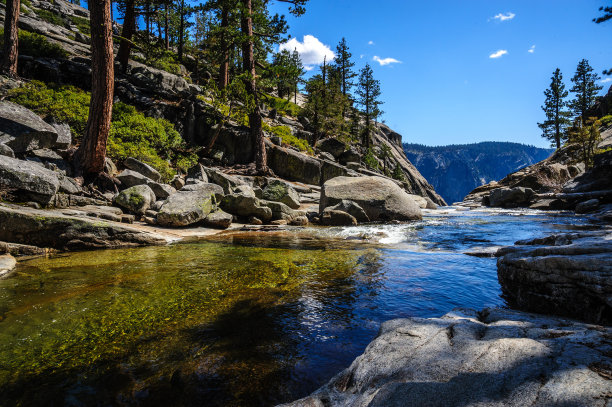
<point x="181" y="31"/>
<point x="248" y="62"/>
<point x="147" y="19"/>
<point x="166" y="19"/>
<point x="11" y="37"/>
<point x="91" y="153"/>
<point x="223" y="79"/>
<point x="129" y="28"/>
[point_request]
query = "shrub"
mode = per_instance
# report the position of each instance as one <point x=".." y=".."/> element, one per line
<point x="36" y="45"/>
<point x="288" y="138"/>
<point x="154" y="141"/>
<point x="370" y="160"/>
<point x="398" y="174"/>
<point x="606" y="120"/>
<point x="282" y="106"/>
<point x="82" y="24"/>
<point x="50" y="17"/>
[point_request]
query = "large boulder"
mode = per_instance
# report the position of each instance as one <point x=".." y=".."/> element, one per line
<point x="380" y="198"/>
<point x="226" y="181"/>
<point x="246" y="206"/>
<point x="332" y="146"/>
<point x="218" y="220"/>
<point x="142" y="168"/>
<point x="332" y="217"/>
<point x="295" y="166"/>
<point x="352" y="209"/>
<point x="511" y="197"/>
<point x="31" y="180"/>
<point x="136" y="199"/>
<point x="280" y="211"/>
<point x="161" y="191"/>
<point x="280" y="191"/>
<point x="130" y="178"/>
<point x="213" y="189"/>
<point x="567" y="275"/>
<point x="491" y="358"/>
<point x="23" y="130"/>
<point x="44" y="228"/>
<point x="186" y="208"/>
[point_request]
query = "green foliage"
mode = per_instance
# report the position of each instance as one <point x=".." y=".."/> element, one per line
<point x="81" y="23"/>
<point x="606" y="120"/>
<point x="554" y="128"/>
<point x="50" y="17"/>
<point x="36" y="45"/>
<point x="161" y="59"/>
<point x="282" y="106"/>
<point x="585" y="89"/>
<point x="398" y="174"/>
<point x="154" y="141"/>
<point x="369" y="159"/>
<point x="586" y="136"/>
<point x="368" y="96"/>
<point x="285" y="134"/>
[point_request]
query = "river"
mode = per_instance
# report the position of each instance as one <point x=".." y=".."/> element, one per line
<point x="239" y="319"/>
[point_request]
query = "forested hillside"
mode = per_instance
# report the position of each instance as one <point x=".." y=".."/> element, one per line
<point x="456" y="170"/>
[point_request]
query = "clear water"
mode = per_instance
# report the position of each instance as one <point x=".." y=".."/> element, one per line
<point x="238" y="319"/>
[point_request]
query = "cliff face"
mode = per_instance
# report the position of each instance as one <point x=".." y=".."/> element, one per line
<point x="456" y="170"/>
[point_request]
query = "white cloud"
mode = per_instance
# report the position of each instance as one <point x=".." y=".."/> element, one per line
<point x="504" y="17"/>
<point x="498" y="54"/>
<point x="386" y="61"/>
<point x="311" y="50"/>
<point x="370" y="42"/>
<point x="606" y="80"/>
<point x="532" y="49"/>
<point x="361" y="56"/>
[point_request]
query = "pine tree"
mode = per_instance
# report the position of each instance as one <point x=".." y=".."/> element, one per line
<point x="129" y="29"/>
<point x="607" y="10"/>
<point x="345" y="66"/>
<point x="554" y="128"/>
<point x="585" y="88"/>
<point x="11" y="37"/>
<point x="297" y="71"/>
<point x="368" y="96"/>
<point x="91" y="153"/>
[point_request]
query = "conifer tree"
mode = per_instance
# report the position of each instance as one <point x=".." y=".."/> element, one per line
<point x="607" y="15"/>
<point x="345" y="66"/>
<point x="585" y="89"/>
<point x="11" y="37"/>
<point x="297" y="71"/>
<point x="128" y="7"/>
<point x="554" y="128"/>
<point x="368" y="96"/>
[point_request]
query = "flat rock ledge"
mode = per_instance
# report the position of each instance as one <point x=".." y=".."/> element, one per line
<point x="566" y="274"/>
<point x="495" y="357"/>
<point x="53" y="229"/>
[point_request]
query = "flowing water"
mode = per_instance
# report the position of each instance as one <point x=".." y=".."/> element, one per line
<point x="239" y="319"/>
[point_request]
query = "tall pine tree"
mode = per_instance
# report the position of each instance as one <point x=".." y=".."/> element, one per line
<point x="345" y="66"/>
<point x="607" y="15"/>
<point x="585" y="89"/>
<point x="554" y="128"/>
<point x="368" y="96"/>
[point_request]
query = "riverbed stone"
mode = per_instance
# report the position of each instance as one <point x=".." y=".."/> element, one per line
<point x="136" y="199"/>
<point x="32" y="180"/>
<point x="7" y="264"/>
<point x="588" y="206"/>
<point x="381" y="198"/>
<point x="142" y="168"/>
<point x="332" y="217"/>
<point x="219" y="219"/>
<point x="491" y="358"/>
<point x="352" y="209"/>
<point x="186" y="208"/>
<point x="280" y="191"/>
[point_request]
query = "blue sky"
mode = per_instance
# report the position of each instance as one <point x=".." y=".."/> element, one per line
<point x="447" y="89"/>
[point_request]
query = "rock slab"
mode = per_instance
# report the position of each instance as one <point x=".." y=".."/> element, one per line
<point x="37" y="182"/>
<point x="491" y="358"/>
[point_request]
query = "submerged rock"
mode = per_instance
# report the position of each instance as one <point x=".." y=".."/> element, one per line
<point x="380" y="198"/>
<point x="466" y="358"/>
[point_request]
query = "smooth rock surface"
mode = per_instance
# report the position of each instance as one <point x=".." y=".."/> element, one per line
<point x="7" y="264"/>
<point x="332" y="217"/>
<point x="186" y="208"/>
<point x="491" y="358"/>
<point x="36" y="182"/>
<point x="23" y="130"/>
<point x="219" y="219"/>
<point x="246" y="206"/>
<point x="511" y="197"/>
<point x="352" y="209"/>
<point x="568" y="275"/>
<point x="380" y="198"/>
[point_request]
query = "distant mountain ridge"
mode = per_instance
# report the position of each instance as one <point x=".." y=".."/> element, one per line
<point x="455" y="170"/>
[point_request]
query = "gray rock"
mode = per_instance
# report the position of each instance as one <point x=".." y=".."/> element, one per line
<point x="186" y="208"/>
<point x="326" y="156"/>
<point x="109" y="167"/>
<point x="566" y="275"/>
<point x="22" y="130"/>
<point x="33" y="180"/>
<point x="227" y="182"/>
<point x="219" y="219"/>
<point x="588" y="206"/>
<point x="246" y="206"/>
<point x="130" y="178"/>
<point x="245" y="190"/>
<point x="142" y="168"/>
<point x="46" y="154"/>
<point x="44" y="228"/>
<point x="6" y="151"/>
<point x="332" y="217"/>
<point x="280" y="210"/>
<point x="351" y="155"/>
<point x="213" y="189"/>
<point x="511" y="197"/>
<point x="177" y="182"/>
<point x="254" y="221"/>
<point x="491" y="358"/>
<point x="422" y="202"/>
<point x="330" y="169"/>
<point x="69" y="185"/>
<point x="300" y="221"/>
<point x="64" y="136"/>
<point x="7" y="264"/>
<point x="17" y="250"/>
<point x="380" y="198"/>
<point x="161" y="191"/>
<point x="197" y="173"/>
<point x="136" y="199"/>
<point x="332" y="146"/>
<point x="280" y="191"/>
<point x="295" y="166"/>
<point x="352" y="209"/>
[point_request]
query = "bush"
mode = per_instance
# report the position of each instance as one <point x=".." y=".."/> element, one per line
<point x="81" y="23"/>
<point x="285" y="135"/>
<point x="36" y="45"/>
<point x="606" y="120"/>
<point x="282" y="106"/>
<point x="50" y="17"/>
<point x="154" y="141"/>
<point x="370" y="160"/>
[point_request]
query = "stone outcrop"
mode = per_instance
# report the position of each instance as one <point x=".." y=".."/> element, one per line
<point x="568" y="275"/>
<point x="53" y="229"/>
<point x="333" y="217"/>
<point x="487" y="359"/>
<point x="142" y="168"/>
<point x="22" y="130"/>
<point x="31" y="180"/>
<point x="380" y="198"/>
